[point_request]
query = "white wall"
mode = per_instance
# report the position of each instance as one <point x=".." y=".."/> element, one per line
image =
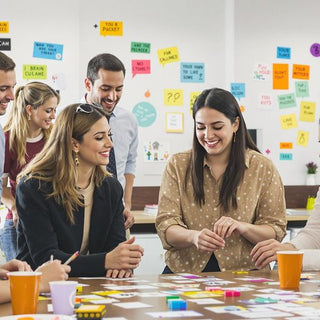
<point x="228" y="36"/>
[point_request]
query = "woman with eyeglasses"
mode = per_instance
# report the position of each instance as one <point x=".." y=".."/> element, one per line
<point x="68" y="202"/>
<point x="26" y="131"/>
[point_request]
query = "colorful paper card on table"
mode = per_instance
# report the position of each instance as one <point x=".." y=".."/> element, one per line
<point x="111" y="28"/>
<point x="287" y="101"/>
<point x="4" y="26"/>
<point x="140" y="67"/>
<point x="173" y="97"/>
<point x="140" y="47"/>
<point x="288" y="121"/>
<point x="174" y="122"/>
<point x="168" y="55"/>
<point x="191" y="72"/>
<point x="307" y="111"/>
<point x="45" y="50"/>
<point x="302" y="138"/>
<point x="302" y="89"/>
<point x="31" y="71"/>
<point x="280" y="76"/>
<point x="300" y="71"/>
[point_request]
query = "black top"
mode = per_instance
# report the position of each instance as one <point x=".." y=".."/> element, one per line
<point x="44" y="230"/>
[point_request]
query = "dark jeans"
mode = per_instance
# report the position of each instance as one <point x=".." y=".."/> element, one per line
<point x="212" y="266"/>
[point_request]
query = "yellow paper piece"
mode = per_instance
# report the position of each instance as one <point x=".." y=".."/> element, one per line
<point x="31" y="71"/>
<point x="285" y="145"/>
<point x="303" y="138"/>
<point x="288" y="121"/>
<point x="111" y="28"/>
<point x="193" y="96"/>
<point x="280" y="76"/>
<point x="4" y="26"/>
<point x="300" y="71"/>
<point x="168" y="55"/>
<point x="106" y="293"/>
<point x="174" y="122"/>
<point x="173" y="97"/>
<point x="307" y="111"/>
<point x="201" y="294"/>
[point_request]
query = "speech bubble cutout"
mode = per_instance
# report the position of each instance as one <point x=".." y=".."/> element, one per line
<point x="140" y="47"/>
<point x="45" y="50"/>
<point x="111" y="28"/>
<point x="191" y="72"/>
<point x="145" y="113"/>
<point x="238" y="90"/>
<point x="168" y="55"/>
<point x="287" y="101"/>
<point x="4" y="26"/>
<point x="283" y="53"/>
<point x="31" y="71"/>
<point x="140" y="67"/>
<point x="173" y="97"/>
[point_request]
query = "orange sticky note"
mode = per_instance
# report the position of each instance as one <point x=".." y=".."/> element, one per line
<point x="280" y="76"/>
<point x="300" y="71"/>
<point x="285" y="145"/>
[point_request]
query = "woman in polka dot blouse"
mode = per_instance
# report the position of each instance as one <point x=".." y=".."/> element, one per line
<point x="220" y="198"/>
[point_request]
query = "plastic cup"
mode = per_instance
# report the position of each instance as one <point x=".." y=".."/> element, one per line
<point x="24" y="290"/>
<point x="63" y="296"/>
<point x="289" y="267"/>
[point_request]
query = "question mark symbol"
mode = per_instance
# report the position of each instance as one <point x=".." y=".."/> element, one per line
<point x="169" y="96"/>
<point x="176" y="96"/>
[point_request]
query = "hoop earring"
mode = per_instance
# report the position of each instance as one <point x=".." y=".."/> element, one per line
<point x="234" y="136"/>
<point x="76" y="160"/>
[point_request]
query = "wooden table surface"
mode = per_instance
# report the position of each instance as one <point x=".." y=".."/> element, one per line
<point x="159" y="303"/>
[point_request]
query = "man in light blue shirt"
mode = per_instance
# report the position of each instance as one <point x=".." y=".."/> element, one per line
<point x="104" y="85"/>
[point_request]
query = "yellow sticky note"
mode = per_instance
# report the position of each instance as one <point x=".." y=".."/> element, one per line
<point x="300" y="71"/>
<point x="106" y="293"/>
<point x="4" y="26"/>
<point x="111" y="28"/>
<point x="303" y="138"/>
<point x="307" y="111"/>
<point x="193" y="96"/>
<point x="288" y="121"/>
<point x="280" y="76"/>
<point x="173" y="97"/>
<point x="168" y="55"/>
<point x="32" y="71"/>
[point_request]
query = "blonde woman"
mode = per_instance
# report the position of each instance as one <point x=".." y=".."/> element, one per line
<point x="68" y="202"/>
<point x="26" y="132"/>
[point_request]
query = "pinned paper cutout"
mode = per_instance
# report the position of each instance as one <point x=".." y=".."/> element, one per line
<point x="193" y="96"/>
<point x="191" y="72"/>
<point x="300" y="71"/>
<point x="303" y="138"/>
<point x="34" y="72"/>
<point x="45" y="50"/>
<point x="145" y="113"/>
<point x="173" y="97"/>
<point x="307" y="111"/>
<point x="280" y="76"/>
<point x="111" y="28"/>
<point x="168" y="55"/>
<point x="140" y="47"/>
<point x="5" y="44"/>
<point x="140" y="67"/>
<point x="288" y="121"/>
<point x="174" y="122"/>
<point x="315" y="49"/>
<point x="4" y="26"/>
<point x="238" y="90"/>
<point x="286" y="145"/>
<point x="283" y="53"/>
<point x="302" y="89"/>
<point x="287" y="101"/>
<point x="286" y="156"/>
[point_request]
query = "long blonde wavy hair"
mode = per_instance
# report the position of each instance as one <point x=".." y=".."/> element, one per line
<point x="56" y="164"/>
<point x="34" y="94"/>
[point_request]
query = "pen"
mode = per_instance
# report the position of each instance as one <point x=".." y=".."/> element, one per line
<point x="72" y="257"/>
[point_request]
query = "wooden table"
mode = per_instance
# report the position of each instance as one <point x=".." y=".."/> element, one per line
<point x="159" y="303"/>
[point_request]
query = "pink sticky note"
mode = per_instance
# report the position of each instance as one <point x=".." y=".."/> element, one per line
<point x="140" y="67"/>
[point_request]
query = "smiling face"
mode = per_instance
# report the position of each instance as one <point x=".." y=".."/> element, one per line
<point x="106" y="90"/>
<point x="95" y="146"/>
<point x="215" y="132"/>
<point x="41" y="117"/>
<point x="7" y="83"/>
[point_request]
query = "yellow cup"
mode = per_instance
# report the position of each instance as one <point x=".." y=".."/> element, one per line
<point x="24" y="289"/>
<point x="289" y="267"/>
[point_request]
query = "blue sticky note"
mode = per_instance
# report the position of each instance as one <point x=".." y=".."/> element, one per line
<point x="191" y="72"/>
<point x="45" y="50"/>
<point x="285" y="156"/>
<point x="177" y="304"/>
<point x="283" y="53"/>
<point x="238" y="90"/>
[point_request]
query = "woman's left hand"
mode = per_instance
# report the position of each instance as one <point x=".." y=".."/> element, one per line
<point x="225" y="226"/>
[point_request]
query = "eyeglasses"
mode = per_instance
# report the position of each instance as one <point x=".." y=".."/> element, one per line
<point x="84" y="108"/>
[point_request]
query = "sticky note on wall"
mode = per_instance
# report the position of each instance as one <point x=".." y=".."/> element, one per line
<point x="288" y="121"/>
<point x="280" y="76"/>
<point x="307" y="111"/>
<point x="300" y="71"/>
<point x="111" y="28"/>
<point x="303" y="138"/>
